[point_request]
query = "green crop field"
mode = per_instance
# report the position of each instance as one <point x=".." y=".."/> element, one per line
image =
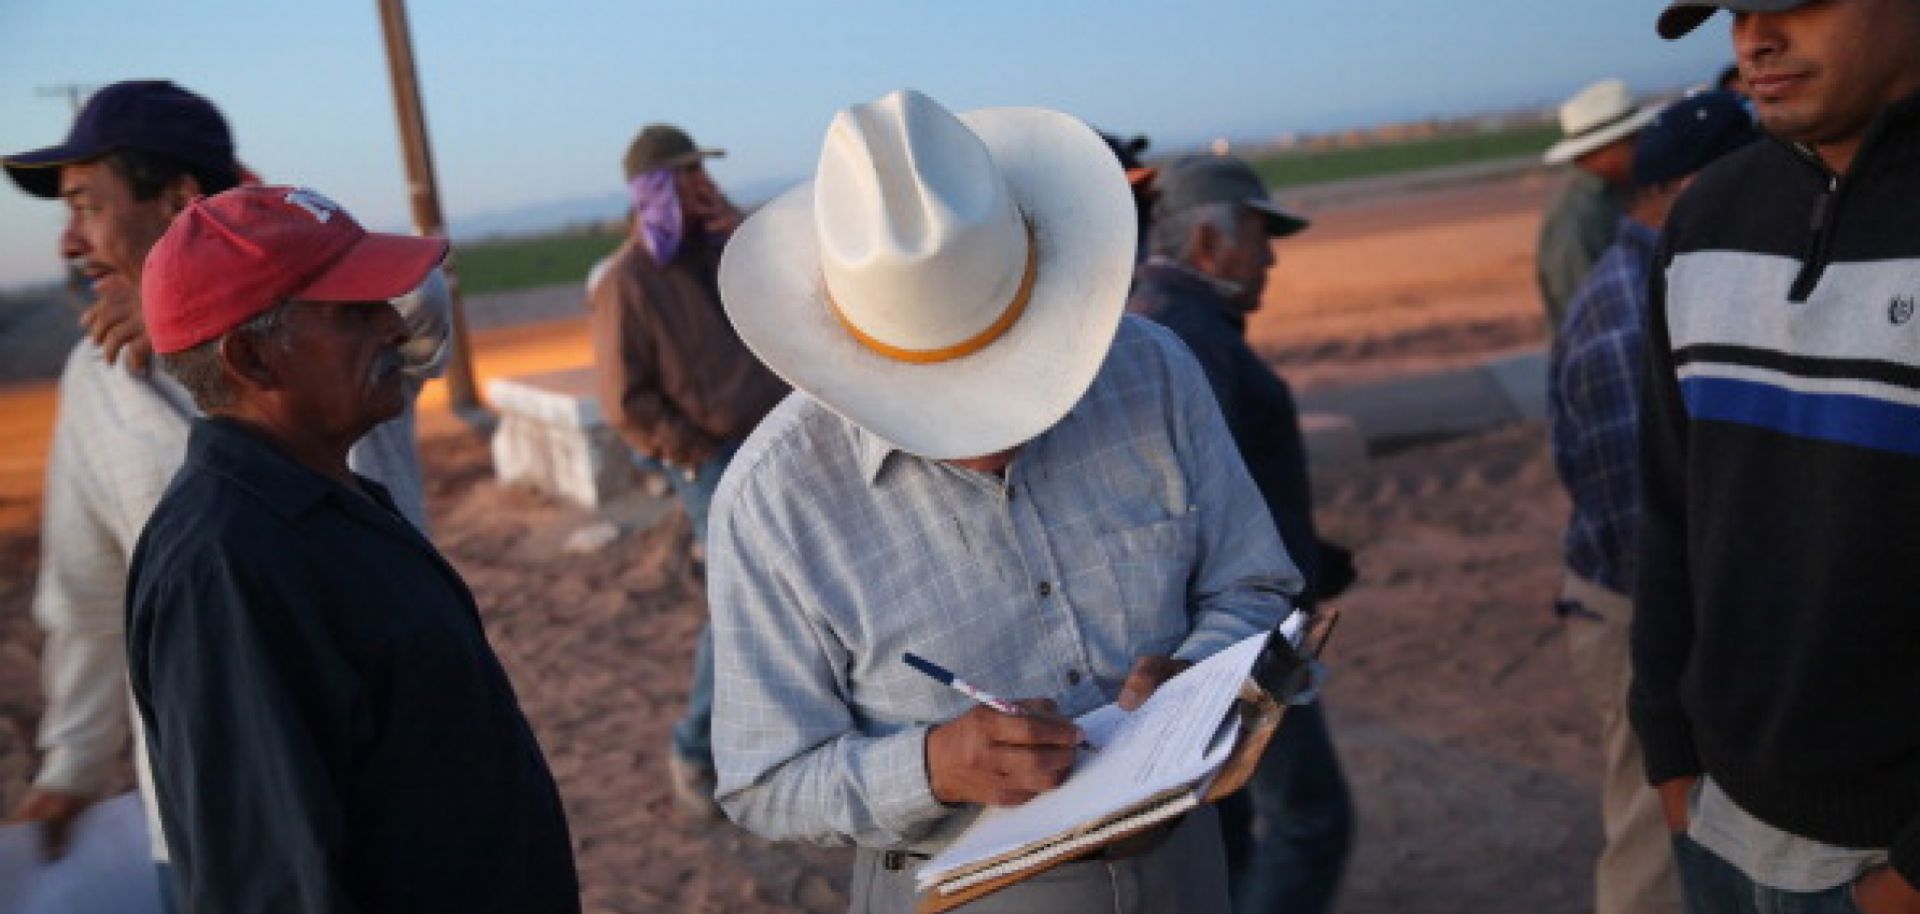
<point x="503" y="264"/>
<point x="519" y="263"/>
<point x="1299" y="168"/>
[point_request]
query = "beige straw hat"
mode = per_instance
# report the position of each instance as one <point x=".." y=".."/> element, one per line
<point x="1596" y="116"/>
<point x="950" y="284"/>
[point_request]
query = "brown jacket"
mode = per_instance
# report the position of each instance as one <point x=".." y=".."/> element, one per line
<point x="674" y="378"/>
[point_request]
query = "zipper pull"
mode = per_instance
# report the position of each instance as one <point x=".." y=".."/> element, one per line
<point x="1813" y="263"/>
<point x="1821" y="202"/>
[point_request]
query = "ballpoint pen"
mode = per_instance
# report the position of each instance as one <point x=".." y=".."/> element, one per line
<point x="945" y="677"/>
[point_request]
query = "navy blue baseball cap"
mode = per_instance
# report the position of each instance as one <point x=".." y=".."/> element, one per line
<point x="1689" y="134"/>
<point x="151" y="115"/>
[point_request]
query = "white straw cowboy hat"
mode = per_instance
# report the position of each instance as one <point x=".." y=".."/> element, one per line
<point x="1596" y="116"/>
<point x="950" y="284"/>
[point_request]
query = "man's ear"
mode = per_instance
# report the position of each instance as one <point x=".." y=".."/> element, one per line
<point x="179" y="192"/>
<point x="247" y="361"/>
<point x="1203" y="244"/>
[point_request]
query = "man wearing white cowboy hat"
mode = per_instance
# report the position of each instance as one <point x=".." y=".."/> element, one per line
<point x="1598" y="126"/>
<point x="985" y="465"/>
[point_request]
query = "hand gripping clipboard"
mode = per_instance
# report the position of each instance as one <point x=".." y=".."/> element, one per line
<point x="1281" y="678"/>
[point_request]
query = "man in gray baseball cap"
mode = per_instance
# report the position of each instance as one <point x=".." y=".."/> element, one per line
<point x="1209" y="252"/>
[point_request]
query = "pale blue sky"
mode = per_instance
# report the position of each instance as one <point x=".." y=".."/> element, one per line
<point x="534" y="102"/>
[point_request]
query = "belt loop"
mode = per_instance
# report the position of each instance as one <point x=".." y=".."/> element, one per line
<point x="894" y="861"/>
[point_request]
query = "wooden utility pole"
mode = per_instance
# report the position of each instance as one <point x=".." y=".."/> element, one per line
<point x="424" y="193"/>
<point x="74" y="93"/>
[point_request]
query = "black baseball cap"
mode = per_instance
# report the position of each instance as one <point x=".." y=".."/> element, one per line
<point x="1689" y="134"/>
<point x="1682" y="16"/>
<point x="1200" y="179"/>
<point x="151" y="115"/>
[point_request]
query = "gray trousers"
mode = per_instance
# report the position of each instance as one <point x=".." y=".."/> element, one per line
<point x="1185" y="874"/>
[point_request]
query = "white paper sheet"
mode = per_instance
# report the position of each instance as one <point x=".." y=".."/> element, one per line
<point x="107" y="869"/>
<point x="1169" y="742"/>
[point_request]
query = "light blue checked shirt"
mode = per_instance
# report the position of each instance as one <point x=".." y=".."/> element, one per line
<point x="1131" y="527"/>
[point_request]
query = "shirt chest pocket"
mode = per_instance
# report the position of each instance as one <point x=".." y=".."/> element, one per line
<point x="1144" y="575"/>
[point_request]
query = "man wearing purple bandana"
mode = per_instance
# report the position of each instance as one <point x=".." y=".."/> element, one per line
<point x="674" y="378"/>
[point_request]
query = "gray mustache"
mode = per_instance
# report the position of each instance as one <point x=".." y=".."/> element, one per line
<point x="387" y="362"/>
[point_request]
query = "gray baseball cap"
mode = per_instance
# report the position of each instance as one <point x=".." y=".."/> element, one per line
<point x="1682" y="16"/>
<point x="1196" y="180"/>
<point x="663" y="146"/>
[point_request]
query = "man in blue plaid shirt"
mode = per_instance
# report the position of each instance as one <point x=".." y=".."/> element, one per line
<point x="1593" y="387"/>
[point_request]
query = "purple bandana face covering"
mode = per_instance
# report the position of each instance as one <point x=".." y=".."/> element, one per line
<point x="657" y="222"/>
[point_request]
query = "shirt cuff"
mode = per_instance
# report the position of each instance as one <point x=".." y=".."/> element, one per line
<point x="902" y="797"/>
<point x="1904" y="856"/>
<point x="1220" y="632"/>
<point x="66" y="771"/>
<point x="1666" y="741"/>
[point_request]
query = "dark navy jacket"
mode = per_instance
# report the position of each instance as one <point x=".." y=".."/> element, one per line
<point x="1258" y="405"/>
<point x="329" y="729"/>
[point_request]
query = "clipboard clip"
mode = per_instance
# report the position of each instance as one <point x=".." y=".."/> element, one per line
<point x="1291" y="677"/>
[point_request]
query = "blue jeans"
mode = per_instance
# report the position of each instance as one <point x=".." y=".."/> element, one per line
<point x="169" y="892"/>
<point x="693" y="733"/>
<point x="1710" y="885"/>
<point x="1288" y="832"/>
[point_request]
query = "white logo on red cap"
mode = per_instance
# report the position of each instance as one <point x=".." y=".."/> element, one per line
<point x="317" y="206"/>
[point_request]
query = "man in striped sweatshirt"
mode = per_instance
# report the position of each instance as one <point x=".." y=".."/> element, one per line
<point x="1776" y="637"/>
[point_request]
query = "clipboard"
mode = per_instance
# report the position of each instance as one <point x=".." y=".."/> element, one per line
<point x="1292" y="673"/>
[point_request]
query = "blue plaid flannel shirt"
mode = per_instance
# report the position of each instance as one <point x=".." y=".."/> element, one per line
<point x="1593" y="391"/>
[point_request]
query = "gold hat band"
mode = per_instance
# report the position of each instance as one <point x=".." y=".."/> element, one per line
<point x="965" y="347"/>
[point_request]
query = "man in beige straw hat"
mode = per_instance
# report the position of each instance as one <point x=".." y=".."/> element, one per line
<point x="984" y="465"/>
<point x="1598" y="126"/>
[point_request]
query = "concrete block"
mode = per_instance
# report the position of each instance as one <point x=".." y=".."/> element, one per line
<point x="552" y="436"/>
<point x="1522" y="379"/>
<point x="1334" y="444"/>
<point x="1396" y="412"/>
<point x="1417" y="408"/>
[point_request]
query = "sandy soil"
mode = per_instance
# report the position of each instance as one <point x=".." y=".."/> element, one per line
<point x="1472" y="758"/>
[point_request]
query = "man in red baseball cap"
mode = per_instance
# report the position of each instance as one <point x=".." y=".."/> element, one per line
<point x="328" y="726"/>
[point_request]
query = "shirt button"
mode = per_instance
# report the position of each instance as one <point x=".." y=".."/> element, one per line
<point x="1046" y="588"/>
<point x="1073" y="677"/>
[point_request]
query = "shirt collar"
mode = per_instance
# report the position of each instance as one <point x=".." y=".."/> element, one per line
<point x="229" y="448"/>
<point x="1227" y="291"/>
<point x="1195" y="286"/>
<point x="1637" y="235"/>
<point x="874" y="450"/>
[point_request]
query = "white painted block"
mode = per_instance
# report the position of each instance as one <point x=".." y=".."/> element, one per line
<point x="552" y="437"/>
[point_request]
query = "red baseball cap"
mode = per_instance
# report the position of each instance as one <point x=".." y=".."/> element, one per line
<point x="231" y="256"/>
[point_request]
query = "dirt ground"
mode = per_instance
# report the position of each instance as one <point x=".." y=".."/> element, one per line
<point x="1472" y="758"/>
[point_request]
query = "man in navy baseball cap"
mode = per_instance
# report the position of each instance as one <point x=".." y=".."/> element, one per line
<point x="151" y="115"/>
<point x="137" y="153"/>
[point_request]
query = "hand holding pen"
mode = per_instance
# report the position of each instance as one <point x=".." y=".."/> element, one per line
<point x="999" y="753"/>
